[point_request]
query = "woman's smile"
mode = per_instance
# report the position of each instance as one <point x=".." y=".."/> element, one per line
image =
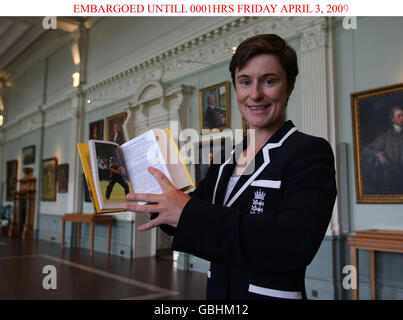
<point x="261" y="87"/>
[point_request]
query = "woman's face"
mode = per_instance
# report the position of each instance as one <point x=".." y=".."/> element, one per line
<point x="261" y="88"/>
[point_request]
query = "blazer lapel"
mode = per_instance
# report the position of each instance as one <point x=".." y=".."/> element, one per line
<point x="224" y="174"/>
<point x="243" y="179"/>
<point x="262" y="159"/>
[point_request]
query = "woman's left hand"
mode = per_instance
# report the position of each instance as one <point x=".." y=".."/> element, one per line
<point x="169" y="204"/>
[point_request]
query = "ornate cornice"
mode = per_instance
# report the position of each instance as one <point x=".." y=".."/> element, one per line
<point x="315" y="36"/>
<point x="58" y="112"/>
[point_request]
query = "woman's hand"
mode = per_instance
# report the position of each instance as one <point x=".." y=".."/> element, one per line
<point x="169" y="204"/>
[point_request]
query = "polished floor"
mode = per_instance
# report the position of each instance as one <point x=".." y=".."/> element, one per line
<point x="74" y="275"/>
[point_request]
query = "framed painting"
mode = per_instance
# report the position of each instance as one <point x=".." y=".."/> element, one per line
<point x="62" y="178"/>
<point x="377" y="116"/>
<point x="11" y="179"/>
<point x="49" y="179"/>
<point x="28" y="155"/>
<point x="214" y="107"/>
<point x="114" y="128"/>
<point x="96" y="130"/>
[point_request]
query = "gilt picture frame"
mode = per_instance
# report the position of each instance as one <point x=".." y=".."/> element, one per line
<point x="28" y="155"/>
<point x="11" y="179"/>
<point x="378" y="144"/>
<point x="63" y="178"/>
<point x="96" y="130"/>
<point x="114" y="128"/>
<point x="49" y="179"/>
<point x="214" y="108"/>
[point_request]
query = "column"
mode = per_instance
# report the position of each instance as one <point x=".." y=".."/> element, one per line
<point x="75" y="193"/>
<point x="317" y="83"/>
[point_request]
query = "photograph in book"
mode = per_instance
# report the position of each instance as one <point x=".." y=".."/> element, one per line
<point x="113" y="181"/>
<point x="89" y="184"/>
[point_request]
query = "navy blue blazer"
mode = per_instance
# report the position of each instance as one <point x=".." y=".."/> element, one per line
<point x="261" y="240"/>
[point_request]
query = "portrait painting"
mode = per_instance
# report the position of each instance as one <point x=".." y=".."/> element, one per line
<point x="49" y="179"/>
<point x="114" y="128"/>
<point x="28" y="155"/>
<point x="62" y="178"/>
<point x="211" y="151"/>
<point x="11" y="179"/>
<point x="377" y="116"/>
<point x="214" y="107"/>
<point x="96" y="130"/>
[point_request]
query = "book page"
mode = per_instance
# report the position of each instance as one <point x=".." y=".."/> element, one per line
<point x="141" y="153"/>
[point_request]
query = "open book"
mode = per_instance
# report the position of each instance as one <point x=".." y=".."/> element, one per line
<point x="113" y="171"/>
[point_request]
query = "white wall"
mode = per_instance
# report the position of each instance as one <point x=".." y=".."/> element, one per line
<point x="26" y="92"/>
<point x="59" y="76"/>
<point x="56" y="143"/>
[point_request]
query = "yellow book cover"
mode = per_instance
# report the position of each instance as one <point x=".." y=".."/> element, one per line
<point x="173" y="143"/>
<point x="86" y="163"/>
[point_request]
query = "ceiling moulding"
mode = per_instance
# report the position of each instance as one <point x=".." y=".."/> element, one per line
<point x="57" y="112"/>
<point x="30" y="32"/>
<point x="205" y="50"/>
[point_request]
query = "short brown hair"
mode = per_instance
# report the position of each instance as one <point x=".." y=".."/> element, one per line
<point x="266" y="44"/>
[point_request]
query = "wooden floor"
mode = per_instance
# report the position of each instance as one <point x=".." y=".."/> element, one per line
<point x="80" y="276"/>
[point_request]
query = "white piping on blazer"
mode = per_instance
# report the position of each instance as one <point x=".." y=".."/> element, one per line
<point x="266" y="161"/>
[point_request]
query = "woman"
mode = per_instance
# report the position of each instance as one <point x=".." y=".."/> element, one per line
<point x="262" y="228"/>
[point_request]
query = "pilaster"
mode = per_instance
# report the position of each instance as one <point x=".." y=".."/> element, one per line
<point x="75" y="191"/>
<point x="317" y="83"/>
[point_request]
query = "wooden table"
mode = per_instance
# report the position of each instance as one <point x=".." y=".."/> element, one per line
<point x="91" y="219"/>
<point x="373" y="240"/>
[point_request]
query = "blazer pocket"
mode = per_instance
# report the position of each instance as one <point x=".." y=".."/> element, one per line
<point x="274" y="184"/>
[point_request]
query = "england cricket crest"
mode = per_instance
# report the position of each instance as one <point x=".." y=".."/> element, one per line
<point x="258" y="202"/>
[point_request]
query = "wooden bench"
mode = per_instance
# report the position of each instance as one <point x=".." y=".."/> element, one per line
<point x="91" y="219"/>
